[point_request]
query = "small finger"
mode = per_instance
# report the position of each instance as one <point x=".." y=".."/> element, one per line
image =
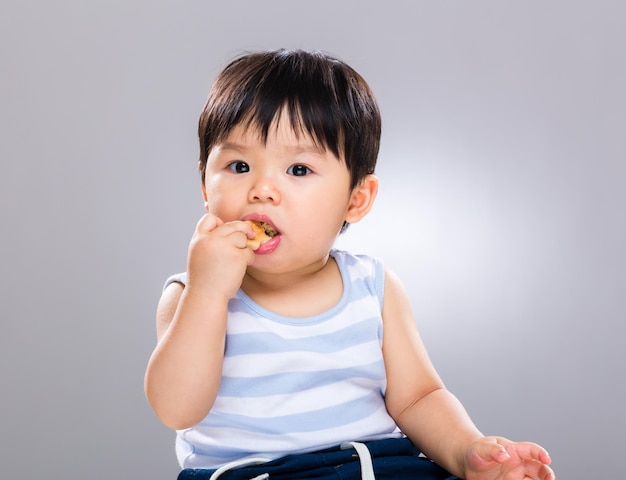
<point x="208" y="223"/>
<point x="239" y="226"/>
<point x="493" y="450"/>
<point x="241" y="232"/>
<point x="533" y="470"/>
<point x="531" y="451"/>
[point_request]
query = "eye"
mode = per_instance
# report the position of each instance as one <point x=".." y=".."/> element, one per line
<point x="298" y="170"/>
<point x="239" y="167"/>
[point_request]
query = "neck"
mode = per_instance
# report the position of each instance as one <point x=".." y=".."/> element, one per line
<point x="304" y="293"/>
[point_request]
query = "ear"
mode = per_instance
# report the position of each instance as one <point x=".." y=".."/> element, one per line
<point x="204" y="197"/>
<point x="362" y="199"/>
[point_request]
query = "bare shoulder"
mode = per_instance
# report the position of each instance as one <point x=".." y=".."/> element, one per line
<point x="168" y="303"/>
<point x="396" y="303"/>
<point x="399" y="323"/>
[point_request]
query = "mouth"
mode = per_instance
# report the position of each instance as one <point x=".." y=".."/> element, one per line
<point x="268" y="246"/>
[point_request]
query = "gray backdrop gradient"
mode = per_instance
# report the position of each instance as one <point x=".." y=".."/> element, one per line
<point x="502" y="169"/>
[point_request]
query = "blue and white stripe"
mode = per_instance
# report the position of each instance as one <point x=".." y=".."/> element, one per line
<point x="292" y="385"/>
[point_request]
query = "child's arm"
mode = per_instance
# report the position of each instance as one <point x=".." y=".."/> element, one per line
<point x="432" y="417"/>
<point x="184" y="372"/>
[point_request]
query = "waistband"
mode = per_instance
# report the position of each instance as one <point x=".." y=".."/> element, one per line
<point x="395" y="458"/>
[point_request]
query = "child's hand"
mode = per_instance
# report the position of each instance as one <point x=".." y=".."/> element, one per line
<point x="496" y="458"/>
<point x="218" y="255"/>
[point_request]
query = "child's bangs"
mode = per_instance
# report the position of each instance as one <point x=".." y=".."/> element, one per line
<point x="318" y="124"/>
<point x="307" y="118"/>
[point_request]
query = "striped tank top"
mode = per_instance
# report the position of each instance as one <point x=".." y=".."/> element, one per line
<point x="295" y="385"/>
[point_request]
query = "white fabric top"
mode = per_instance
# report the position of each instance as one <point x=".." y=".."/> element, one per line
<point x="293" y="385"/>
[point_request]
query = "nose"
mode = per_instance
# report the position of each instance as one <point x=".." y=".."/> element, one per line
<point x="264" y="189"/>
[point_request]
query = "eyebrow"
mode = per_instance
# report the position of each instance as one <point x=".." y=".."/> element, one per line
<point x="294" y="149"/>
<point x="232" y="146"/>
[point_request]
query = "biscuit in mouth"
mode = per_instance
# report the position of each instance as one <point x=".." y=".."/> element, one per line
<point x="263" y="232"/>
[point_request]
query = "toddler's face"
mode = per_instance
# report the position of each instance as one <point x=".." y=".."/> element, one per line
<point x="302" y="190"/>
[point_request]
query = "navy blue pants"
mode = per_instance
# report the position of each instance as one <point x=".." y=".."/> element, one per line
<point x="393" y="459"/>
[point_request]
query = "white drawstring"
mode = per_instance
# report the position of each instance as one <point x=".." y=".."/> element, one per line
<point x="365" y="459"/>
<point x="240" y="463"/>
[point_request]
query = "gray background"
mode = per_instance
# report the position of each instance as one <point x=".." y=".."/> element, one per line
<point x="501" y="206"/>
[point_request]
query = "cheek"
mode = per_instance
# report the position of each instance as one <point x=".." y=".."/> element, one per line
<point x="216" y="199"/>
<point x="326" y="211"/>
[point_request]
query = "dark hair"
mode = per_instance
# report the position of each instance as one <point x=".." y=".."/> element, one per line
<point x="324" y="97"/>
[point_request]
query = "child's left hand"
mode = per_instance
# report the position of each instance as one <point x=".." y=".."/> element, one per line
<point x="496" y="458"/>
